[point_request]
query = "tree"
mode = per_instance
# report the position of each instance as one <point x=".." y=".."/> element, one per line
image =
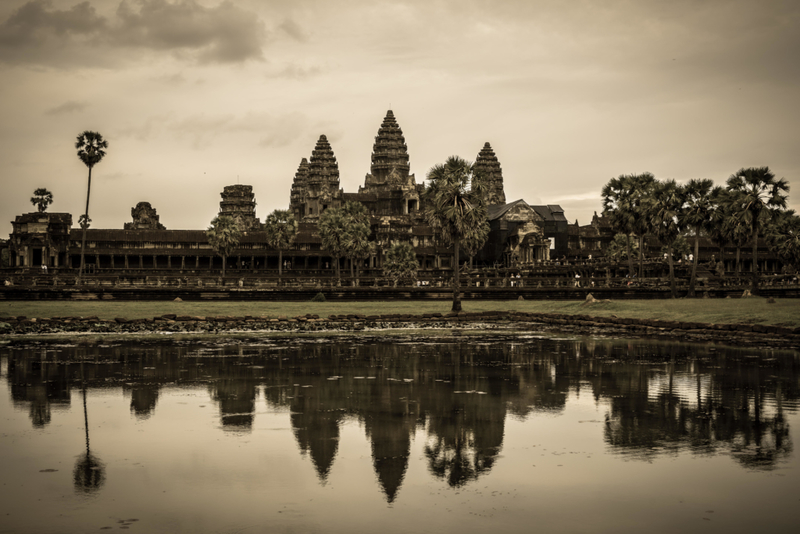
<point x="696" y="215"/>
<point x="783" y="237"/>
<point x="281" y="228"/>
<point x="91" y="149"/>
<point x="617" y="250"/>
<point x="223" y="236"/>
<point x="331" y="228"/>
<point x="356" y="242"/>
<point x="643" y="185"/>
<point x="736" y="229"/>
<point x="717" y="229"/>
<point x="454" y="206"/>
<point x="759" y="196"/>
<point x="663" y="211"/>
<point x="624" y="201"/>
<point x="42" y="198"/>
<point x="400" y="263"/>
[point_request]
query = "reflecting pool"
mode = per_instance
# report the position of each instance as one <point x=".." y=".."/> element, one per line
<point x="399" y="434"/>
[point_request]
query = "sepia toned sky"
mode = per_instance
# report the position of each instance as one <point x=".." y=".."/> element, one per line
<point x="193" y="95"/>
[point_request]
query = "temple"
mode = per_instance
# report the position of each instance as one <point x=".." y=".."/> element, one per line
<point x="520" y="234"/>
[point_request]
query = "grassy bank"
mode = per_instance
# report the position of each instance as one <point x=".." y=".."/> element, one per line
<point x="784" y="312"/>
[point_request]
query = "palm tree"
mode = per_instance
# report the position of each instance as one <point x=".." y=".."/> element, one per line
<point x="624" y="200"/>
<point x="735" y="227"/>
<point x="760" y="196"/>
<point x="400" y="262"/>
<point x="331" y="229"/>
<point x="643" y="185"/>
<point x="281" y="228"/>
<point x="91" y="149"/>
<point x="41" y="199"/>
<point x="696" y="214"/>
<point x="663" y="210"/>
<point x="356" y="236"/>
<point x="223" y="236"/>
<point x="783" y="237"/>
<point x="717" y="228"/>
<point x="454" y="206"/>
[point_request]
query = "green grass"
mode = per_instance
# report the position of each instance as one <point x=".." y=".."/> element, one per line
<point x="784" y="312"/>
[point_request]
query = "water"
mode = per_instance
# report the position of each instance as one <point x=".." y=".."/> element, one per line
<point x="452" y="434"/>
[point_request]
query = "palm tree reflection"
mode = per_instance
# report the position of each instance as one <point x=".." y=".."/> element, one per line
<point x="89" y="473"/>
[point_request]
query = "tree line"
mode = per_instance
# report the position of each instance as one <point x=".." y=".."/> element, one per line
<point x="752" y="204"/>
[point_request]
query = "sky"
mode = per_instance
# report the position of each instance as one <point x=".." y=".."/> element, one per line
<point x="194" y="95"/>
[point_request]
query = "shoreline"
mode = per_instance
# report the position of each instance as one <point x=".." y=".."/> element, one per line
<point x="14" y="330"/>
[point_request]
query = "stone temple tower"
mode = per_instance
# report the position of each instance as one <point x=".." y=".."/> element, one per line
<point x="316" y="183"/>
<point x="488" y="168"/>
<point x="239" y="203"/>
<point x="390" y="168"/>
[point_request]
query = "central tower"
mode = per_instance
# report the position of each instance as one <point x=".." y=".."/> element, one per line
<point x="389" y="168"/>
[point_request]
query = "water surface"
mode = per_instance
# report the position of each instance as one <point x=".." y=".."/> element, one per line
<point x="452" y="434"/>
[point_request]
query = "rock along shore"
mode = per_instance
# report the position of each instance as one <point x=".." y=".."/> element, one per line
<point x="749" y="334"/>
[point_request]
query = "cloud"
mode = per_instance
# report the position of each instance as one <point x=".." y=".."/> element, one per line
<point x="221" y="34"/>
<point x="70" y="106"/>
<point x="37" y="33"/>
<point x="294" y="30"/>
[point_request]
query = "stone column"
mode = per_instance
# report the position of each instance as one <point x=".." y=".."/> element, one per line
<point x="183" y="263"/>
<point x="155" y="262"/>
<point x="112" y="261"/>
<point x="169" y="261"/>
<point x="141" y="261"/>
<point x="127" y="263"/>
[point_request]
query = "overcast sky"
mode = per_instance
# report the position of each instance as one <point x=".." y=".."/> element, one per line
<point x="193" y="95"/>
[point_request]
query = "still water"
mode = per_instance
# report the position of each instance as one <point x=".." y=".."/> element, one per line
<point x="403" y="434"/>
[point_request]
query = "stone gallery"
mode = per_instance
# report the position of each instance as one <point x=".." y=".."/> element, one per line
<point x="520" y="234"/>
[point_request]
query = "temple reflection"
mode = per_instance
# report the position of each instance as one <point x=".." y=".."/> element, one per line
<point x="657" y="398"/>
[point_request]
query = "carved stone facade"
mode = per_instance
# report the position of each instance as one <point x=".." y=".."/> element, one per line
<point x="144" y="218"/>
<point x="40" y="239"/>
<point x="239" y="203"/>
<point x="516" y="238"/>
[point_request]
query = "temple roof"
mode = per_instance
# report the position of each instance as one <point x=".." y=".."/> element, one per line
<point x="389" y="151"/>
<point x="495" y="211"/>
<point x="551" y="212"/>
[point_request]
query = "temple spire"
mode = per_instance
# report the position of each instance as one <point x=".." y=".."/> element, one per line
<point x="488" y="169"/>
<point x="389" y="153"/>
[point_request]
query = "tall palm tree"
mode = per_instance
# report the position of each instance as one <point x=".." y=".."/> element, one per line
<point x="717" y="228"/>
<point x="281" y="228"/>
<point x="331" y="229"/>
<point x="223" y="236"/>
<point x="696" y="214"/>
<point x="663" y="211"/>
<point x="356" y="236"/>
<point x="760" y="195"/>
<point x="41" y="199"/>
<point x="454" y="206"/>
<point x="91" y="149"/>
<point x="643" y="185"/>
